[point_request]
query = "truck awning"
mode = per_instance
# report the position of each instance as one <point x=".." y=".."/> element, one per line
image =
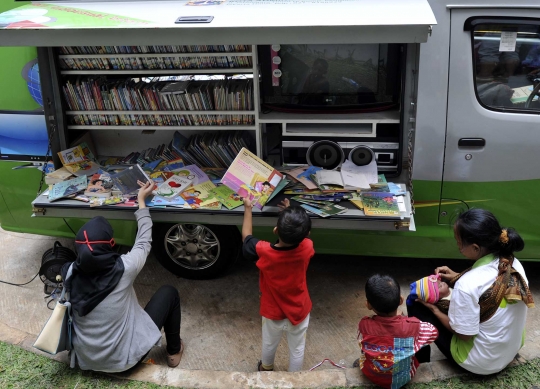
<point x="76" y="23"/>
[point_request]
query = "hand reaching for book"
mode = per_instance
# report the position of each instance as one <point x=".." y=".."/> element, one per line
<point x="144" y="192"/>
<point x="284" y="204"/>
<point x="248" y="204"/>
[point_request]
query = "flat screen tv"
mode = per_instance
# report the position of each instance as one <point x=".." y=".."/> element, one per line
<point x="23" y="136"/>
<point x="347" y="77"/>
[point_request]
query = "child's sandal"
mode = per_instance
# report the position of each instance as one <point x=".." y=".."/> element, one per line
<point x="261" y="368"/>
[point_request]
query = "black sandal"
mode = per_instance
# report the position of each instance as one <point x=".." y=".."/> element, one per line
<point x="356" y="363"/>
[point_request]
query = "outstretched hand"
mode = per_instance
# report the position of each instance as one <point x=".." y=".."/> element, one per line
<point x="284" y="204"/>
<point x="144" y="192"/>
<point x="248" y="204"/>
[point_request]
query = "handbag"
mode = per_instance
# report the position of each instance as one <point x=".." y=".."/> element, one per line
<point x="55" y="336"/>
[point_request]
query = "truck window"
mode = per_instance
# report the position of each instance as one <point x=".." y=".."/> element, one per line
<point x="506" y="65"/>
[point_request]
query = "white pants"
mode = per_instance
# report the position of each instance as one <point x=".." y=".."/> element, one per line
<point x="272" y="331"/>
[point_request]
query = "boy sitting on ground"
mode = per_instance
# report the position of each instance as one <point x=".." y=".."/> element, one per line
<point x="431" y="290"/>
<point x="285" y="301"/>
<point x="389" y="340"/>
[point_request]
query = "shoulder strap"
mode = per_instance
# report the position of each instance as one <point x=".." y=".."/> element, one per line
<point x="68" y="274"/>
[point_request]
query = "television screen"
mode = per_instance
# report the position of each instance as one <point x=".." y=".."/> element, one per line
<point x="360" y="76"/>
<point x="23" y="136"/>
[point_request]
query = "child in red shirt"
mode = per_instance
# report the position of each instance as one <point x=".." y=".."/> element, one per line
<point x="389" y="341"/>
<point x="285" y="301"/>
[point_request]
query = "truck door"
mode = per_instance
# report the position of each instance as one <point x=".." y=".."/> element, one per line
<point x="493" y="118"/>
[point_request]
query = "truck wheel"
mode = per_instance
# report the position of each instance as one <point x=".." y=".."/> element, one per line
<point x="196" y="251"/>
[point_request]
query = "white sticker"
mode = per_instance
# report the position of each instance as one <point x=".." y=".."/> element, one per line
<point x="508" y="41"/>
<point x="276" y="60"/>
<point x="277" y="73"/>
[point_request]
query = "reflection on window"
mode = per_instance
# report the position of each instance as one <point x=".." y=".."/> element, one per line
<point x="507" y="66"/>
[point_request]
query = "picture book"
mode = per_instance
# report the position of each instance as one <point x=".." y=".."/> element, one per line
<point x="126" y="180"/>
<point x="193" y="173"/>
<point x="227" y="197"/>
<point x="66" y="188"/>
<point x="359" y="177"/>
<point x="326" y="211"/>
<point x="301" y="174"/>
<point x="252" y="178"/>
<point x="82" y="168"/>
<point x="198" y="196"/>
<point x="98" y="201"/>
<point x="379" y="204"/>
<point x="172" y="187"/>
<point x="333" y="197"/>
<point x="151" y="166"/>
<point x="216" y="205"/>
<point x="314" y="203"/>
<point x="282" y="184"/>
<point x="72" y="155"/>
<point x="158" y="201"/>
<point x="99" y="185"/>
<point x="57" y="176"/>
<point x="328" y="188"/>
<point x="356" y="200"/>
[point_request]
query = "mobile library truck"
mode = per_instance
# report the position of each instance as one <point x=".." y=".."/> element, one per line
<point x="442" y="96"/>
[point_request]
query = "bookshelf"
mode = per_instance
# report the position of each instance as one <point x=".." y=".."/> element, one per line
<point x="139" y="105"/>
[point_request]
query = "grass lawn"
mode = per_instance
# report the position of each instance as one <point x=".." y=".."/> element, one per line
<point x="22" y="369"/>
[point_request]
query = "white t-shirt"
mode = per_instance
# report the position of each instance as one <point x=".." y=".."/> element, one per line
<point x="498" y="339"/>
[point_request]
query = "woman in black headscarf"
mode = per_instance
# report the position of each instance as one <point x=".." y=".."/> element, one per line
<point x="112" y="332"/>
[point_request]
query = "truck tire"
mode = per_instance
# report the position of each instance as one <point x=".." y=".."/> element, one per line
<point x="196" y="251"/>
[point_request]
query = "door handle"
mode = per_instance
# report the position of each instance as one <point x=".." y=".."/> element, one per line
<point x="472" y="142"/>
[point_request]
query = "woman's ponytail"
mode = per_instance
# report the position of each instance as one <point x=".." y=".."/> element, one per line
<point x="510" y="242"/>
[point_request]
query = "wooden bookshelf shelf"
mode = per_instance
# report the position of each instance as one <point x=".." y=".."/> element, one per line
<point x="158" y="55"/>
<point x="161" y="128"/>
<point x="160" y="112"/>
<point x="162" y="71"/>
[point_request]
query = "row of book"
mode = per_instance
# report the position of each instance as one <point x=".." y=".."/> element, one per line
<point x="213" y="150"/>
<point x="129" y="95"/>
<point x="67" y="50"/>
<point x="161" y="120"/>
<point x="156" y="63"/>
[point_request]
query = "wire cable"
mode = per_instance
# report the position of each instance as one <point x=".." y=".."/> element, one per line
<point x="26" y="283"/>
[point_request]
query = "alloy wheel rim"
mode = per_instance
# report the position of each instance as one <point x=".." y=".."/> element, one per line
<point x="192" y="246"/>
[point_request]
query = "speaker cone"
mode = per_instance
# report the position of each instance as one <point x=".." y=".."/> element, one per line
<point x="326" y="154"/>
<point x="361" y="155"/>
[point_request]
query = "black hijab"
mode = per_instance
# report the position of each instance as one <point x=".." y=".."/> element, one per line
<point x="97" y="269"/>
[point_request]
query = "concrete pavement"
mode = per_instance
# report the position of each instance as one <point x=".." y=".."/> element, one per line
<point x="220" y="320"/>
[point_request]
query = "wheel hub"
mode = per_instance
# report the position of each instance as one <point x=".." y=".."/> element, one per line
<point x="192" y="246"/>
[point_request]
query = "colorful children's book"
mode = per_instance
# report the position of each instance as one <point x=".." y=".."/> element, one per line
<point x="252" y="178"/>
<point x="356" y="200"/>
<point x="201" y="195"/>
<point x="100" y="185"/>
<point x="282" y="184"/>
<point x="330" y="210"/>
<point x="172" y="187"/>
<point x="227" y="196"/>
<point x="82" y="168"/>
<point x="193" y="173"/>
<point x="302" y="174"/>
<point x="158" y="201"/>
<point x="314" y="203"/>
<point x="126" y="180"/>
<point x="379" y="204"/>
<point x="72" y="155"/>
<point x="66" y="188"/>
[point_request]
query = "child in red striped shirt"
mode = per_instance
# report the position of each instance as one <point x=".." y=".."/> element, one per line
<point x="389" y="340"/>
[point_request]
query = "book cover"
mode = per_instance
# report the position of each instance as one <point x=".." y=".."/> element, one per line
<point x="356" y="200"/>
<point x="172" y="187"/>
<point x="66" y="188"/>
<point x="379" y="204"/>
<point x="100" y="185"/>
<point x="193" y="173"/>
<point x="126" y="180"/>
<point x="282" y="184"/>
<point x="227" y="197"/>
<point x="72" y="155"/>
<point x="325" y="211"/>
<point x="252" y="178"/>
<point x="199" y="196"/>
<point x="158" y="202"/>
<point x="302" y="174"/>
<point x="57" y="176"/>
<point x="82" y="168"/>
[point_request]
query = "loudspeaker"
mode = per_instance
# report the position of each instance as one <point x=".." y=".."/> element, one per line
<point x="361" y="155"/>
<point x="326" y="154"/>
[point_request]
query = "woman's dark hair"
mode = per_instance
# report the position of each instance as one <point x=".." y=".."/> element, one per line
<point x="293" y="225"/>
<point x="383" y="293"/>
<point x="481" y="227"/>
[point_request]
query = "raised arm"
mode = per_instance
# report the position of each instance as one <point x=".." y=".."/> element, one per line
<point x="247" y="225"/>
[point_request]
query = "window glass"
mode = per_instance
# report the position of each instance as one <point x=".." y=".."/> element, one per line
<point x="507" y="66"/>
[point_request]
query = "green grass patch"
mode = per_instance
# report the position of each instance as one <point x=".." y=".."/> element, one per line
<point x="22" y="369"/>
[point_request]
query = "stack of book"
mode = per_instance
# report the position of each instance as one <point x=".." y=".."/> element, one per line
<point x="154" y="49"/>
<point x="127" y="95"/>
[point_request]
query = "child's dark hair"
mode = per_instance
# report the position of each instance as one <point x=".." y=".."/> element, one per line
<point x="293" y="225"/>
<point x="383" y="293"/>
<point x="481" y="227"/>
